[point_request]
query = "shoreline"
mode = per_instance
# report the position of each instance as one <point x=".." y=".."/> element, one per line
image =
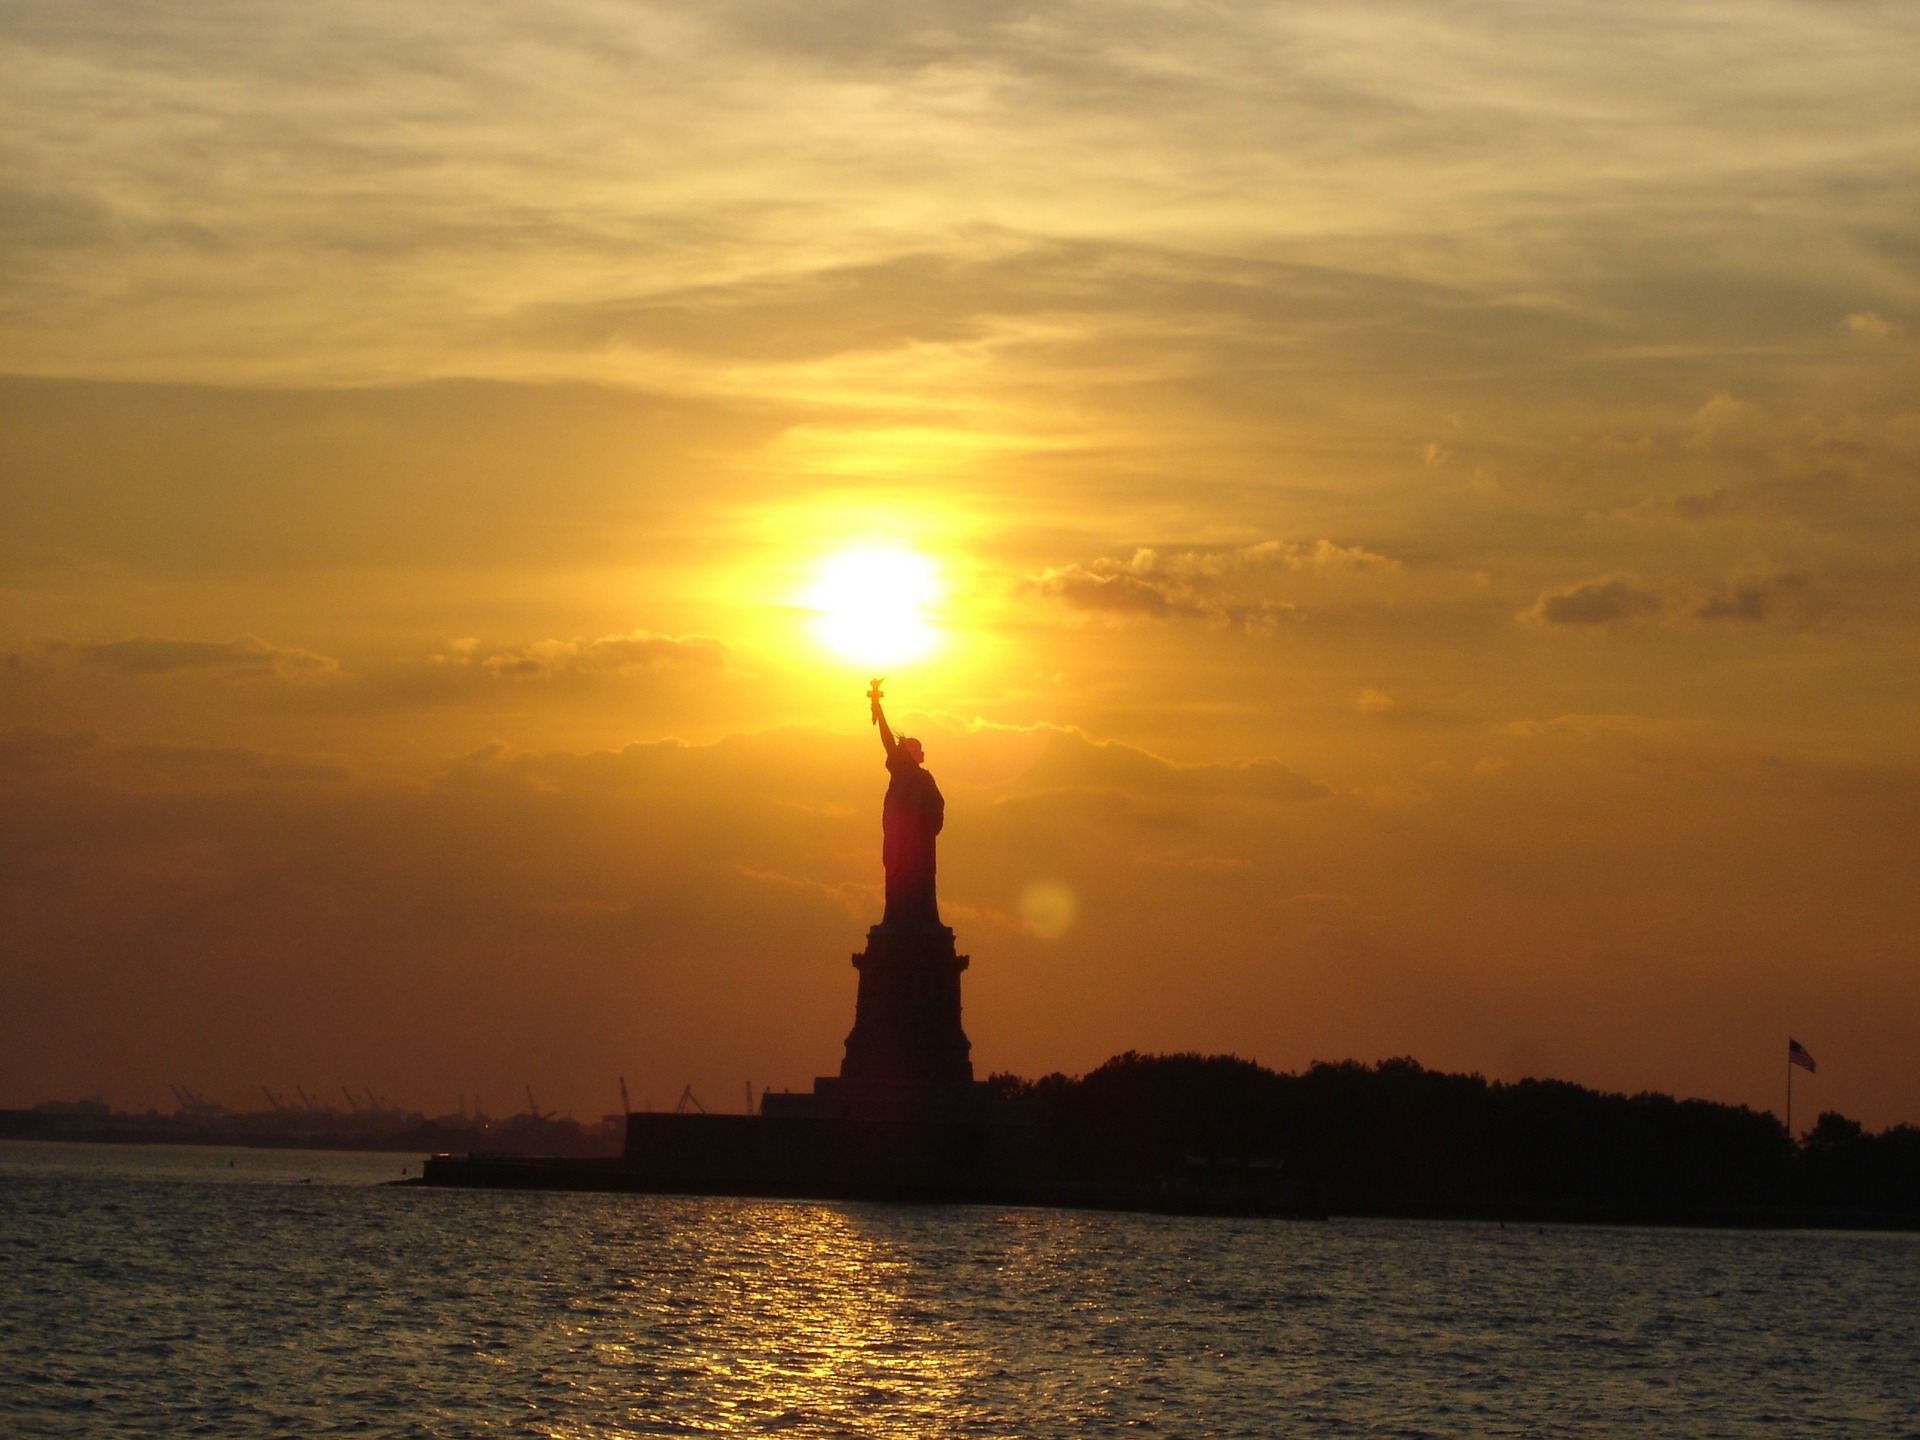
<point x="608" y="1175"/>
<point x="615" y="1176"/>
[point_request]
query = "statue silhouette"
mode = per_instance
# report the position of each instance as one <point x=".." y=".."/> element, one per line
<point x="912" y="815"/>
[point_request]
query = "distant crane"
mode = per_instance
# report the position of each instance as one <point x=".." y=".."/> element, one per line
<point x="353" y="1106"/>
<point x="687" y="1097"/>
<point x="532" y="1108"/>
<point x="626" y="1105"/>
<point x="305" y="1099"/>
<point x="272" y="1099"/>
<point x="192" y="1104"/>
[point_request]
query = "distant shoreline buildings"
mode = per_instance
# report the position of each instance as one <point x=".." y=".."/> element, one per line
<point x="370" y="1126"/>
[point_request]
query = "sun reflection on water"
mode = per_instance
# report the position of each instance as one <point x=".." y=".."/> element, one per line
<point x="788" y="1317"/>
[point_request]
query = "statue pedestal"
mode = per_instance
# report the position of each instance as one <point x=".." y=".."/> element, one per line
<point x="906" y="1019"/>
<point x="904" y="1117"/>
<point x="908" y="1061"/>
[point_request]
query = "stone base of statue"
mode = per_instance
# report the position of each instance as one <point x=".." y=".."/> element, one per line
<point x="906" y="1017"/>
<point x="908" y="1060"/>
<point x="904" y="1117"/>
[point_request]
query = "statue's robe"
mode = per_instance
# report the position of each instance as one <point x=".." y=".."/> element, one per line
<point x="912" y="815"/>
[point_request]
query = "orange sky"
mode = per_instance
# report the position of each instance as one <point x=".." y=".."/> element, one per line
<point x="1422" y="508"/>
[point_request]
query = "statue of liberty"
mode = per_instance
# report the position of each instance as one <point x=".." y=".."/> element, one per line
<point x="909" y="820"/>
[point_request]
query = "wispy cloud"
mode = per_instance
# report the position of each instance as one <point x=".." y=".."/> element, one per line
<point x="1199" y="584"/>
<point x="149" y="655"/>
<point x="1604" y="601"/>
<point x="1614" y="599"/>
<point x="639" y="652"/>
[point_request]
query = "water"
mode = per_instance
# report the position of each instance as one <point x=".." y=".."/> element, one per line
<point x="252" y="1293"/>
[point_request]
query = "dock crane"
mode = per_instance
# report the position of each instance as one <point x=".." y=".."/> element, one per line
<point x="532" y="1108"/>
<point x="192" y="1104"/>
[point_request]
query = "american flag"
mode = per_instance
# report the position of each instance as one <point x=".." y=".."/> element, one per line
<point x="1797" y="1054"/>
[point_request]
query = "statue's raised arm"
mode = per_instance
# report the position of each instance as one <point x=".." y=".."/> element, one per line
<point x="879" y="717"/>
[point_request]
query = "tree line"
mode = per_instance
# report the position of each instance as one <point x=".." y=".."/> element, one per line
<point x="1397" y="1138"/>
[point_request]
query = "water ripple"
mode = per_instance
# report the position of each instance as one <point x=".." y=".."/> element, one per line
<point x="174" y="1292"/>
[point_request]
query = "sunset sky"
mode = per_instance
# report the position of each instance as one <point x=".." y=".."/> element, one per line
<point x="1397" y="524"/>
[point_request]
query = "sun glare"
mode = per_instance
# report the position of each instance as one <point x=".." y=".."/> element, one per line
<point x="873" y="604"/>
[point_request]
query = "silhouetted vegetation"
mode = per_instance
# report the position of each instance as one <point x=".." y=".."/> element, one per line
<point x="1397" y="1138"/>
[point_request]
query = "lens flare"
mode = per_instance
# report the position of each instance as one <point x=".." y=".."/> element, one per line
<point x="873" y="604"/>
<point x="1049" y="909"/>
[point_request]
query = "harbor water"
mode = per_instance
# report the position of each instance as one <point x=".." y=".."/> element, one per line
<point x="173" y="1291"/>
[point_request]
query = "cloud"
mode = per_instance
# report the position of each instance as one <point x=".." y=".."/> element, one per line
<point x="1726" y="502"/>
<point x="1110" y="587"/>
<point x="926" y="298"/>
<point x="1825" y="483"/>
<point x="1726" y="417"/>
<point x="1604" y="601"/>
<point x="1592" y="726"/>
<point x="143" y="655"/>
<point x="203" y="767"/>
<point x="1374" y="702"/>
<point x="32" y="757"/>
<point x="776" y="763"/>
<point x="1616" y="599"/>
<point x="1072" y="761"/>
<point x="281" y="483"/>
<point x="1763" y="597"/>
<point x="54" y="220"/>
<point x="1200" y="584"/>
<point x="805" y="767"/>
<point x="472" y="673"/>
<point x="1322" y="557"/>
<point x="640" y="652"/>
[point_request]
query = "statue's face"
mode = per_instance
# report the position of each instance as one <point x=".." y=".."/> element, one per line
<point x="912" y="747"/>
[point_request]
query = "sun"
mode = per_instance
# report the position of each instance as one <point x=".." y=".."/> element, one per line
<point x="873" y="604"/>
